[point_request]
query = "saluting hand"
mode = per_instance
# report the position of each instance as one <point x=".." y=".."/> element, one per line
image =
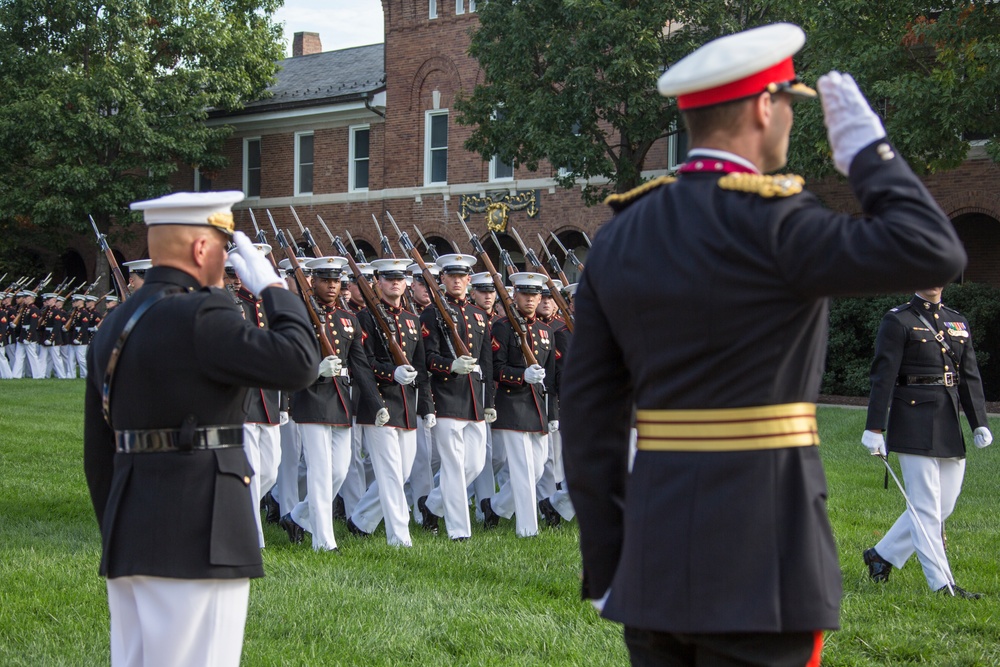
<point x="850" y="122"/>
<point x="254" y="270"/>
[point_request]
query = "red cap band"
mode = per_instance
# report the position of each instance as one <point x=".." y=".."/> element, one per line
<point x="734" y="90"/>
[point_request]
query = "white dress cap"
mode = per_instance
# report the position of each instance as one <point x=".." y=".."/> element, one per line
<point x="528" y="282"/>
<point x="214" y="209"/>
<point x="456" y="263"/>
<point x="139" y="265"/>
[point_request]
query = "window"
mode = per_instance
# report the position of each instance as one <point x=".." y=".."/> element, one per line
<point x="251" y="167"/>
<point x="433" y="9"/>
<point x="202" y="183"/>
<point x="303" y="163"/>
<point x="472" y="6"/>
<point x="500" y="170"/>
<point x="676" y="147"/>
<point x="359" y="158"/>
<point x="567" y="168"/>
<point x="436" y="148"/>
<point x="459" y="6"/>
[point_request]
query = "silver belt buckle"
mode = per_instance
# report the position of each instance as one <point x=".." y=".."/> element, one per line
<point x="949" y="379"/>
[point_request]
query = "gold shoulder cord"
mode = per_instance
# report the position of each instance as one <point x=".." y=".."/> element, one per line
<point x="781" y="185"/>
<point x="622" y="200"/>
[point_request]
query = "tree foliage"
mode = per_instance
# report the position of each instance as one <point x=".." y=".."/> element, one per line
<point x="100" y="101"/>
<point x="573" y="82"/>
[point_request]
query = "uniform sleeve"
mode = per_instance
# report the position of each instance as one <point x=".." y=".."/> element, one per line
<point x="597" y="407"/>
<point x="970" y="389"/>
<point x="283" y="356"/>
<point x="551" y="384"/>
<point x="902" y="242"/>
<point x="485" y="360"/>
<point x="889" y="345"/>
<point x="362" y="378"/>
<point x="98" y="445"/>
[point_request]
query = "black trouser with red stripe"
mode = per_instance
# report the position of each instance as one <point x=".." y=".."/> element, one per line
<point x="648" y="648"/>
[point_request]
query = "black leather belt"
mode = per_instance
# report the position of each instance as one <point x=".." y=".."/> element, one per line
<point x="946" y="379"/>
<point x="174" y="440"/>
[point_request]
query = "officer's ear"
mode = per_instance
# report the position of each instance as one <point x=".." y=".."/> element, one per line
<point x="762" y="109"/>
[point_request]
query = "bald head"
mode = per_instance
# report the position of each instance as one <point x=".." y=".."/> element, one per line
<point x="196" y="249"/>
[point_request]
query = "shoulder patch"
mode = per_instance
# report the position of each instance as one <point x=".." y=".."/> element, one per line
<point x="780" y="185"/>
<point x="900" y="308"/>
<point x="621" y="201"/>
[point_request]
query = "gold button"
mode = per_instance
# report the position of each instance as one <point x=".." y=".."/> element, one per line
<point x="246" y="480"/>
<point x="943" y="349"/>
<point x="913" y="402"/>
<point x="923" y="340"/>
<point x="946" y="368"/>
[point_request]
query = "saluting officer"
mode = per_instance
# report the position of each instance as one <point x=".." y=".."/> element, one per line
<point x="463" y="397"/>
<point x="925" y="370"/>
<point x="390" y="432"/>
<point x="163" y="439"/>
<point x="718" y="543"/>
<point x="323" y="411"/>
<point x="525" y="415"/>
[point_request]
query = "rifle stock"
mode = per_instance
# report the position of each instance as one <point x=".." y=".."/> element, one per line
<point x="116" y="272"/>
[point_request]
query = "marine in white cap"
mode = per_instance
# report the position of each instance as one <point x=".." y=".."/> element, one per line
<point x="722" y="541"/>
<point x="163" y="434"/>
<point x="137" y="272"/>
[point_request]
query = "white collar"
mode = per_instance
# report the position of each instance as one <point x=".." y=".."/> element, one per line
<point x="722" y="155"/>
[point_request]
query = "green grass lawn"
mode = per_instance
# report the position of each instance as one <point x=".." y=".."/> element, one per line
<point x="495" y="600"/>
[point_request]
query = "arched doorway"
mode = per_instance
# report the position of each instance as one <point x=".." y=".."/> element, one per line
<point x="513" y="251"/>
<point x="575" y="242"/>
<point x="980" y="234"/>
<point x="442" y="245"/>
<point x="74" y="268"/>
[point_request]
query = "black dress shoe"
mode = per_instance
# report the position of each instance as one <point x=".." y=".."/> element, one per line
<point x="272" y="511"/>
<point x="294" y="530"/>
<point x="460" y="539"/>
<point x="490" y="518"/>
<point x="354" y="530"/>
<point x="878" y="567"/>
<point x="960" y="592"/>
<point x="549" y="513"/>
<point x="339" y="511"/>
<point x="430" y="521"/>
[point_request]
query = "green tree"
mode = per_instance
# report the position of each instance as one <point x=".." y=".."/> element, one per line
<point x="573" y="82"/>
<point x="100" y="101"/>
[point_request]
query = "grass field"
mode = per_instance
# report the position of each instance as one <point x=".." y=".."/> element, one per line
<point x="495" y="600"/>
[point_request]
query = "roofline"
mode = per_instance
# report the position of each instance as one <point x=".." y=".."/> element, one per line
<point x="303" y="104"/>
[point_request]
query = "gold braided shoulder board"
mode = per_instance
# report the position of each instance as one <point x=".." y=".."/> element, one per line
<point x="779" y="185"/>
<point x="622" y="200"/>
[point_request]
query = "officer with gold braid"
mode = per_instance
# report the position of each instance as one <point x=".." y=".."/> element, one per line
<point x="716" y="548"/>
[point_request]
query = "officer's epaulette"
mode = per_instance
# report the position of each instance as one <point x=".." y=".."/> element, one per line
<point x="621" y="201"/>
<point x="901" y="308"/>
<point x="779" y="185"/>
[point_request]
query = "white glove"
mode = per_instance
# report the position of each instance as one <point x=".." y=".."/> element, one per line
<point x="330" y="366"/>
<point x="982" y="437"/>
<point x="873" y="442"/>
<point x="490" y="414"/>
<point x="404" y="375"/>
<point x="282" y="418"/>
<point x="850" y="122"/>
<point x="382" y="417"/>
<point x="553" y="426"/>
<point x="252" y="267"/>
<point x="463" y="365"/>
<point x="534" y="374"/>
<point x="431" y="420"/>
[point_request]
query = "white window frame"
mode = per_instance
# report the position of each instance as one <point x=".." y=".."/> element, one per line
<point x="246" y="166"/>
<point x="459" y="7"/>
<point x="351" y="160"/>
<point x="299" y="192"/>
<point x="494" y="161"/>
<point x="472" y="6"/>
<point x="197" y="180"/>
<point x="673" y="148"/>
<point x="432" y="7"/>
<point x="427" y="147"/>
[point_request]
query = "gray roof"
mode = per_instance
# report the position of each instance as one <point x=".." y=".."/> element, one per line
<point x="325" y="77"/>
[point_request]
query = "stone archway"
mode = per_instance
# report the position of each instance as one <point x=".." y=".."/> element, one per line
<point x="980" y="234"/>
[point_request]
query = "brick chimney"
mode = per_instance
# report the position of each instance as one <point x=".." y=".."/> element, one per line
<point x="306" y="44"/>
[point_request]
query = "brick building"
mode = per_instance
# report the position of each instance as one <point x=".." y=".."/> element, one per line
<point x="352" y="133"/>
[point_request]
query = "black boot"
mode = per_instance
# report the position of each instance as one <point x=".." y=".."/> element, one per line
<point x="430" y="521"/>
<point x="272" y="511"/>
<point x="294" y="530"/>
<point x="549" y="513"/>
<point x="490" y="518"/>
<point x="878" y="567"/>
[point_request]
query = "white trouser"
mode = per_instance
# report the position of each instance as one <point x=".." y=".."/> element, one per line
<point x="80" y="351"/>
<point x="17" y="360"/>
<point x="327" y="451"/>
<point x="51" y="357"/>
<point x="391" y="451"/>
<point x="525" y="460"/>
<point x="461" y="446"/>
<point x="356" y="483"/>
<point x="289" y="486"/>
<point x="485" y="484"/>
<point x="5" y="373"/>
<point x="422" y="475"/>
<point x="169" y="622"/>
<point x="262" y="444"/>
<point x="932" y="485"/>
<point x="547" y="482"/>
<point x="36" y="362"/>
<point x="562" y="504"/>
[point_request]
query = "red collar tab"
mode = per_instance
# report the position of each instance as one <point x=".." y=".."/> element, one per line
<point x="709" y="165"/>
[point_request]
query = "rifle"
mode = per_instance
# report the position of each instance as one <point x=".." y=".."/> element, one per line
<point x="553" y="262"/>
<point x="386" y="325"/>
<point x="16" y="321"/>
<point x="587" y="239"/>
<point x="307" y="235"/>
<point x="344" y="300"/>
<point x="520" y="327"/>
<point x="360" y="256"/>
<point x="430" y="247"/>
<point x="557" y="296"/>
<point x="315" y="312"/>
<point x="261" y="238"/>
<point x="116" y="272"/>
<point x="73" y="313"/>
<point x="447" y="314"/>
<point x="570" y="255"/>
<point x="387" y="250"/>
